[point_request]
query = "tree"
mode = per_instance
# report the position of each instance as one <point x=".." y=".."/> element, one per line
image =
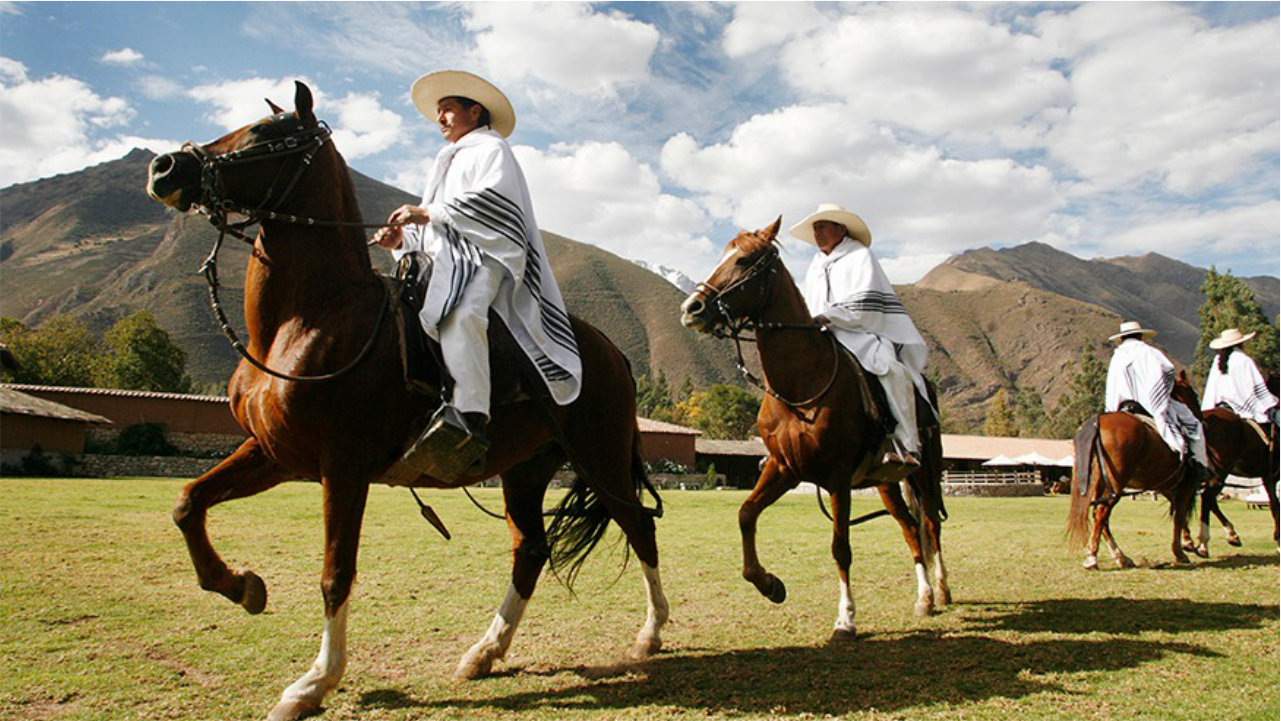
<point x="1084" y="397"/>
<point x="144" y="358"/>
<point x="722" y="411"/>
<point x="1229" y="303"/>
<point x="1029" y="413"/>
<point x="61" y="352"/>
<point x="1000" y="419"/>
<point x="652" y="397"/>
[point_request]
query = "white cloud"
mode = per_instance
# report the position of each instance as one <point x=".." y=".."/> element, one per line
<point x="760" y="25"/>
<point x="157" y="87"/>
<point x="916" y="200"/>
<point x="911" y="268"/>
<point x="1158" y="94"/>
<point x="1204" y="236"/>
<point x="598" y="193"/>
<point x="567" y="46"/>
<point x="362" y="127"/>
<point x="48" y="125"/>
<point x="123" y="56"/>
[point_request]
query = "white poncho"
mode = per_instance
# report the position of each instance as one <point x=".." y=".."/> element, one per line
<point x="480" y="205"/>
<point x="849" y="287"/>
<point x="1242" y="388"/>
<point x="1141" y="373"/>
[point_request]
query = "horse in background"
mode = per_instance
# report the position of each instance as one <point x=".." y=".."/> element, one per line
<point x="312" y="303"/>
<point x="829" y="431"/>
<point x="1119" y="451"/>
<point x="1236" y="447"/>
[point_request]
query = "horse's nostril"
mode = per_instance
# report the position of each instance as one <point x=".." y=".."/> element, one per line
<point x="694" y="306"/>
<point x="161" y="165"/>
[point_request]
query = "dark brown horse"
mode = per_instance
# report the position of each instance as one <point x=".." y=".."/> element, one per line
<point x="1120" y="451"/>
<point x="1236" y="447"/>
<point x="312" y="303"/>
<point x="817" y="421"/>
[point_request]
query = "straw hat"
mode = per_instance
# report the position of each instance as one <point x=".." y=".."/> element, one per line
<point x="854" y="225"/>
<point x="1229" y="338"/>
<point x="431" y="88"/>
<point x="1130" y="328"/>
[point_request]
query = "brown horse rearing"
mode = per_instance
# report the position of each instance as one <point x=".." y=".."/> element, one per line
<point x="816" y="421"/>
<point x="312" y="303"/>
<point x="1119" y="451"/>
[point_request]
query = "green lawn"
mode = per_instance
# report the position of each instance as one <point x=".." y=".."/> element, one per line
<point x="101" y="616"/>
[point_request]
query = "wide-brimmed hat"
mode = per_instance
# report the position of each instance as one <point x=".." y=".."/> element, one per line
<point x="1130" y="328"/>
<point x="854" y="225"/>
<point x="430" y="89"/>
<point x="1229" y="338"/>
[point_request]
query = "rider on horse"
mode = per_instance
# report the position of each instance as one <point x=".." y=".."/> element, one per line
<point x="1141" y="375"/>
<point x="1236" y="383"/>
<point x="847" y="292"/>
<point x="476" y="224"/>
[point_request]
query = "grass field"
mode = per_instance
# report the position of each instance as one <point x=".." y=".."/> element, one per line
<point x="101" y="617"/>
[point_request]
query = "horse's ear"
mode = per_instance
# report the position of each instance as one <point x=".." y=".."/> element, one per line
<point x="303" y="103"/>
<point x="275" y="109"/>
<point x="771" y="233"/>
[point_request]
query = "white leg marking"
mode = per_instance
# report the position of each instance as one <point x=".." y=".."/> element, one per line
<point x="940" y="579"/>
<point x="649" y="641"/>
<point x="328" y="668"/>
<point x="1091" y="561"/>
<point x="924" y="594"/>
<point x="845" y="608"/>
<point x="480" y="658"/>
<point x="1205" y="533"/>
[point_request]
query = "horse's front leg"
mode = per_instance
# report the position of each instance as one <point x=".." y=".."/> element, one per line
<point x="840" y="499"/>
<point x="246" y="472"/>
<point x="771" y="486"/>
<point x="892" y="497"/>
<point x="344" y="511"/>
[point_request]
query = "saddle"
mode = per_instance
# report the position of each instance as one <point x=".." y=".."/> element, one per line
<point x="890" y="466"/>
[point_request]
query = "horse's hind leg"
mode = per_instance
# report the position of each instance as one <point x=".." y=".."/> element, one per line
<point x="1102" y="518"/>
<point x="840" y="499"/>
<point x="770" y="487"/>
<point x="931" y="523"/>
<point x="1229" y="531"/>
<point x="246" y="472"/>
<point x="524" y="487"/>
<point x="892" y="497"/>
<point x="344" y="507"/>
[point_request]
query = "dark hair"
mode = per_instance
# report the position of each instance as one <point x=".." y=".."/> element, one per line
<point x="468" y="104"/>
<point x="1222" y="359"/>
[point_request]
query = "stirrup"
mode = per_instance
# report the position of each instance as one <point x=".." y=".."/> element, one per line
<point x="895" y="464"/>
<point x="448" y="448"/>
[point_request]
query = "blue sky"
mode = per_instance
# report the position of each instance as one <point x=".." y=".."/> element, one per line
<point x="657" y="130"/>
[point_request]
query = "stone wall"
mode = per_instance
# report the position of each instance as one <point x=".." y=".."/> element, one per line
<point x="92" y="465"/>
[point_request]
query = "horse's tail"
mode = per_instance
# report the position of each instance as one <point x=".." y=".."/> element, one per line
<point x="1083" y="482"/>
<point x="931" y="474"/>
<point x="578" y="523"/>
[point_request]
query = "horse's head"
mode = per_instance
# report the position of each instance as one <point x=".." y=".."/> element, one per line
<point x="1184" y="393"/>
<point x="253" y="168"/>
<point x="736" y="290"/>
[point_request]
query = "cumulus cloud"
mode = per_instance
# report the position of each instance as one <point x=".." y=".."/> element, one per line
<point x="568" y="46"/>
<point x="362" y="126"/>
<point x="599" y="193"/>
<point x="759" y="25"/>
<point x="915" y="198"/>
<point x="49" y="125"/>
<point x="123" y="56"/>
<point x="1160" y="95"/>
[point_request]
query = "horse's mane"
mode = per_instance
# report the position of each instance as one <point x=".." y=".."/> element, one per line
<point x="753" y="244"/>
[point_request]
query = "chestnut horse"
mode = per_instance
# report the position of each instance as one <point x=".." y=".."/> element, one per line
<point x="1116" y="451"/>
<point x="312" y="303"/>
<point x="828" y="433"/>
<point x="1235" y="448"/>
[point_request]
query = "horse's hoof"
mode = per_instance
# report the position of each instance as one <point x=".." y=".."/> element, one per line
<point x="644" y="649"/>
<point x="1202" y="551"/>
<point x="841" y="636"/>
<point x="777" y="591"/>
<point x="293" y="710"/>
<point x="1182" y="560"/>
<point x="944" y="597"/>
<point x="1234" y="540"/>
<point x="1125" y="562"/>
<point x="474" y="667"/>
<point x="254" y="596"/>
<point x="1189" y="546"/>
<point x="923" y="609"/>
<point x="1091" y="564"/>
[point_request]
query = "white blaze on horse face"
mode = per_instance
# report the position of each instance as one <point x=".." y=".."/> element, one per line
<point x="328" y="668"/>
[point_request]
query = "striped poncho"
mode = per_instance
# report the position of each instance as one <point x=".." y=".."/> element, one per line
<point x="1242" y="388"/>
<point x="480" y="209"/>
<point x="1139" y="372"/>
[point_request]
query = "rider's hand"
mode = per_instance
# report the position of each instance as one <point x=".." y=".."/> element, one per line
<point x="409" y="214"/>
<point x="389" y="237"/>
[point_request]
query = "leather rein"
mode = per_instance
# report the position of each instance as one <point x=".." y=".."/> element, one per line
<point x="766" y="266"/>
<point x="214" y="205"/>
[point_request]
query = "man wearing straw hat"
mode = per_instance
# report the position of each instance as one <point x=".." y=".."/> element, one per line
<point x="847" y="292"/>
<point x="476" y="224"/>
<point x="1140" y="373"/>
<point x="1235" y="381"/>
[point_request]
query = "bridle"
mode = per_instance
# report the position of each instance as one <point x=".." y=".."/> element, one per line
<point x="214" y="204"/>
<point x="762" y="270"/>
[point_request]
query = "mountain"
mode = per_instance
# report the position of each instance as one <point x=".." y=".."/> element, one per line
<point x="683" y="282"/>
<point x="93" y="245"/>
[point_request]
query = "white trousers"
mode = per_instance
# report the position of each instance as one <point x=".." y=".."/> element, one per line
<point x="901" y="393"/>
<point x="1183" y="419"/>
<point x="464" y="340"/>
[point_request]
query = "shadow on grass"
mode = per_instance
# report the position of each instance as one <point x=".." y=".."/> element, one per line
<point x="885" y="674"/>
<point x="1119" y="616"/>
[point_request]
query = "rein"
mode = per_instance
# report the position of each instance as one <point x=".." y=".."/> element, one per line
<point x="216" y="207"/>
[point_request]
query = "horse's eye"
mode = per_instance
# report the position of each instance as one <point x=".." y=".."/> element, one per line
<point x="743" y="261"/>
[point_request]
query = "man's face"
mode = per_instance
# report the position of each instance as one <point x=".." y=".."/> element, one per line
<point x="828" y="235"/>
<point x="455" y="120"/>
